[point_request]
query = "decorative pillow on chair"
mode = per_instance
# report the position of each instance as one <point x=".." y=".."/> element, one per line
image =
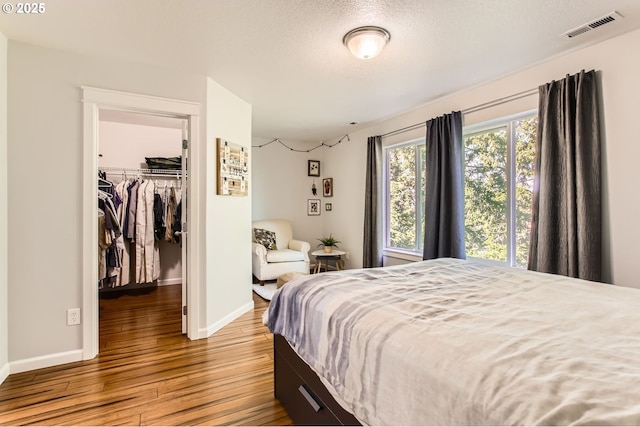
<point x="266" y="238"/>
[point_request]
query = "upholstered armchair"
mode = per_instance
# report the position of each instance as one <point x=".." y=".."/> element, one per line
<point x="275" y="251"/>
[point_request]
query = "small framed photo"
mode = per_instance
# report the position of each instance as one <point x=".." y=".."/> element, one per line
<point x="327" y="207"/>
<point x="313" y="207"/>
<point x="313" y="167"/>
<point x="327" y="187"/>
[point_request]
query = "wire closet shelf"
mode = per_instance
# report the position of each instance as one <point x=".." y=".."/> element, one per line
<point x="164" y="173"/>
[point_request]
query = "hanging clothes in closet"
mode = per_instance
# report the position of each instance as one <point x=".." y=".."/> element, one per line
<point x="172" y="209"/>
<point x="139" y="260"/>
<point x="121" y="191"/>
<point x="109" y="232"/>
<point x="146" y="216"/>
<point x="147" y="254"/>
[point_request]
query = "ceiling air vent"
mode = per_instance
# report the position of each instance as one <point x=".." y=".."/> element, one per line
<point x="610" y="17"/>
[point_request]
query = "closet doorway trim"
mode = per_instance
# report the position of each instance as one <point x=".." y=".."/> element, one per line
<point x="95" y="99"/>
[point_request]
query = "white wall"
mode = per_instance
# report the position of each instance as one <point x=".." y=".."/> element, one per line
<point x="619" y="70"/>
<point x="281" y="186"/>
<point x="125" y="145"/>
<point x="45" y="196"/>
<point x="4" y="295"/>
<point x="227" y="256"/>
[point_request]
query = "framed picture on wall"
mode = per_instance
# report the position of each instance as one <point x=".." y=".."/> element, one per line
<point x="313" y="207"/>
<point x="313" y="167"/>
<point x="327" y="187"/>
<point x="327" y="207"/>
<point x="233" y="172"/>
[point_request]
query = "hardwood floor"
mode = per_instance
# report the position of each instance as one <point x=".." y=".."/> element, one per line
<point x="148" y="373"/>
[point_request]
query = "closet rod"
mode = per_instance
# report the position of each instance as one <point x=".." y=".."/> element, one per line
<point x="146" y="172"/>
<point x="469" y="110"/>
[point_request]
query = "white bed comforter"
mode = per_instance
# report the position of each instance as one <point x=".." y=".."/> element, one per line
<point x="452" y="342"/>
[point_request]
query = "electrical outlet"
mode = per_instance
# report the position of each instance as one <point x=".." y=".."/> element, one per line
<point x="73" y="316"/>
<point x="346" y="255"/>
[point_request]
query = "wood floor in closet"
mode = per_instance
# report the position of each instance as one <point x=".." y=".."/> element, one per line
<point x="147" y="373"/>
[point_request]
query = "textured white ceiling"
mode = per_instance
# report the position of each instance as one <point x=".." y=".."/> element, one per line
<point x="286" y="57"/>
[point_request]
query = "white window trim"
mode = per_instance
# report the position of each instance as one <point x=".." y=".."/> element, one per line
<point x="391" y="251"/>
<point x="491" y="124"/>
<point x="402" y="254"/>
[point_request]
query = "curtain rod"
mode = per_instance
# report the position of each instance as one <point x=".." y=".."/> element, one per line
<point x="469" y="110"/>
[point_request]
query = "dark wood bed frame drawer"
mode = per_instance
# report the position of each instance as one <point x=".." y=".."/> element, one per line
<point x="301" y="392"/>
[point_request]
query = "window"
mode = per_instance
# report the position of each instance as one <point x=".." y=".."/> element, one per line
<point x="404" y="179"/>
<point x="499" y="162"/>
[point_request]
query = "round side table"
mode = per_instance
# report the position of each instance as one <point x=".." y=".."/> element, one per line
<point x="326" y="257"/>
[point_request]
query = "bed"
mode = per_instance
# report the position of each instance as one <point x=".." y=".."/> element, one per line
<point x="455" y="342"/>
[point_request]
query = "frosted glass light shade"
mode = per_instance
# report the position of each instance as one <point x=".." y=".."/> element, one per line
<point x="366" y="42"/>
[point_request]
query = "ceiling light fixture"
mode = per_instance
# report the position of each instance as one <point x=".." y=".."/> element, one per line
<point x="366" y="42"/>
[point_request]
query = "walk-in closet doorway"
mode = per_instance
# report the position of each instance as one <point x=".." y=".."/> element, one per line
<point x="110" y="116"/>
<point x="143" y="170"/>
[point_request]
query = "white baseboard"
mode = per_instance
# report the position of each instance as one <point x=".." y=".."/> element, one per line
<point x="4" y="372"/>
<point x="211" y="329"/>
<point x="166" y="282"/>
<point x="45" y="361"/>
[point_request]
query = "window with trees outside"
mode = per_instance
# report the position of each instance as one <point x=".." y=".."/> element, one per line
<point x="404" y="179"/>
<point x="499" y="161"/>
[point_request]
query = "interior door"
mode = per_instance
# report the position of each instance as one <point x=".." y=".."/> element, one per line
<point x="183" y="213"/>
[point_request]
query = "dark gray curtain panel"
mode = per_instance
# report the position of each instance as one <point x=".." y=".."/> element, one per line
<point x="566" y="224"/>
<point x="372" y="249"/>
<point x="444" y="199"/>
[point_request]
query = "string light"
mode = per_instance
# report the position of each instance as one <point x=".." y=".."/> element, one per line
<point x="322" y="144"/>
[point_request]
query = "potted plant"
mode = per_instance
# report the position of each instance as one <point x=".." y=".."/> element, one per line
<point x="329" y="243"/>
